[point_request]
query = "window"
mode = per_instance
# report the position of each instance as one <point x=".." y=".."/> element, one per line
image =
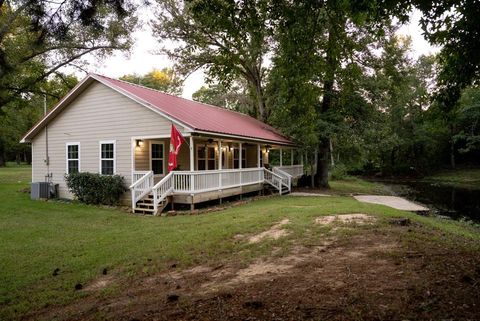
<point x="157" y="158"/>
<point x="205" y="158"/>
<point x="107" y="158"/>
<point x="236" y="156"/>
<point x="73" y="158"/>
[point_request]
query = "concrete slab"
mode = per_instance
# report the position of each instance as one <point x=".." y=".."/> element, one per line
<point x="396" y="202"/>
<point x="307" y="194"/>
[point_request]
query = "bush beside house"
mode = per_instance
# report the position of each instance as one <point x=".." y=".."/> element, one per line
<point x="93" y="188"/>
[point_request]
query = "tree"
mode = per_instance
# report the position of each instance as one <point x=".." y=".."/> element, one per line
<point x="228" y="38"/>
<point x="166" y="80"/>
<point x="39" y="37"/>
<point x="235" y="98"/>
<point x="20" y="114"/>
<point x="320" y="44"/>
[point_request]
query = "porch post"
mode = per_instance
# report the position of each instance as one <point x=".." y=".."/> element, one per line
<point x="291" y="156"/>
<point x="240" y="155"/>
<point x="192" y="162"/>
<point x="192" y="168"/>
<point x="258" y="155"/>
<point x="220" y="153"/>
<point x="281" y="157"/>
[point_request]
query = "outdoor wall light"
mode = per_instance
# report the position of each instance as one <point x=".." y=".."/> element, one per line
<point x="139" y="143"/>
<point x="267" y="148"/>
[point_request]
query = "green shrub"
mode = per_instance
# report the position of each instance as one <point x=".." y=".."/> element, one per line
<point x="93" y="188"/>
<point x="339" y="171"/>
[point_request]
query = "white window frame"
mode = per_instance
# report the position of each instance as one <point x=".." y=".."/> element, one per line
<point x="206" y="156"/>
<point x="66" y="156"/>
<point x="157" y="142"/>
<point x="100" y="143"/>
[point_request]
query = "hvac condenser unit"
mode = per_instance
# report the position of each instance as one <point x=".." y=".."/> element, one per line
<point x="40" y="190"/>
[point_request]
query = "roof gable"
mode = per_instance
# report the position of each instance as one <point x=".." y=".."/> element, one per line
<point x="195" y="116"/>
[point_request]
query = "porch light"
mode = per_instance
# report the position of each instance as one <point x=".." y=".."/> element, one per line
<point x="267" y="148"/>
<point x="139" y="143"/>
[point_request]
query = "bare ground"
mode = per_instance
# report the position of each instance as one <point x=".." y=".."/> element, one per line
<point x="377" y="273"/>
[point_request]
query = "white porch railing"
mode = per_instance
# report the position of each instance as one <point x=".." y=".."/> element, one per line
<point x="142" y="186"/>
<point x="161" y="190"/>
<point x="186" y="182"/>
<point x="286" y="178"/>
<point x="293" y="170"/>
<point x="192" y="182"/>
<point x="273" y="179"/>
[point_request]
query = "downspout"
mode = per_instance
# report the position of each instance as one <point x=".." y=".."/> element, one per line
<point x="47" y="157"/>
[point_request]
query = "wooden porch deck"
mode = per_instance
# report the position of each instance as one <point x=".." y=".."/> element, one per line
<point x="191" y="187"/>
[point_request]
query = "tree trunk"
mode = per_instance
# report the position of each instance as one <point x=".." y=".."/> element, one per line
<point x="260" y="100"/>
<point x="331" y="153"/>
<point x="452" y="154"/>
<point x="323" y="162"/>
<point x="2" y="159"/>
<point x="2" y="155"/>
<point x="321" y="179"/>
<point x="452" y="147"/>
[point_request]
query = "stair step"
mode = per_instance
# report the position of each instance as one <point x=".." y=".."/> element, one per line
<point x="143" y="211"/>
<point x="143" y="205"/>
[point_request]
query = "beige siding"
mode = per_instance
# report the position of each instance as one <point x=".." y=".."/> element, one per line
<point x="98" y="114"/>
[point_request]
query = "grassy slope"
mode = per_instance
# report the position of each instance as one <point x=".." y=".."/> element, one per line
<point x="469" y="178"/>
<point x="37" y="237"/>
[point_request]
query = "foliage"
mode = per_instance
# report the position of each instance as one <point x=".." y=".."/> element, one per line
<point x="236" y="97"/>
<point x="39" y="37"/>
<point x="227" y="38"/>
<point x="94" y="188"/>
<point x="468" y="121"/>
<point x="338" y="172"/>
<point x="20" y="114"/>
<point x="166" y="80"/>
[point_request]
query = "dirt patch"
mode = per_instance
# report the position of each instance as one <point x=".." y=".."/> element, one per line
<point x="380" y="274"/>
<point x="357" y="218"/>
<point x="275" y="232"/>
<point x="100" y="283"/>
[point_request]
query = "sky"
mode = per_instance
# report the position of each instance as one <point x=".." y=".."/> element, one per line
<point x="143" y="57"/>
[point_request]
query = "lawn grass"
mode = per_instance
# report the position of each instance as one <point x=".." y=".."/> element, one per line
<point x="466" y="177"/>
<point x="37" y="237"/>
<point x="353" y="185"/>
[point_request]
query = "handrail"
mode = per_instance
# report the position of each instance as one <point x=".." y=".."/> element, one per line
<point x="141" y="187"/>
<point x="286" y="178"/>
<point x="293" y="170"/>
<point x="273" y="179"/>
<point x="161" y="190"/>
<point x="188" y="182"/>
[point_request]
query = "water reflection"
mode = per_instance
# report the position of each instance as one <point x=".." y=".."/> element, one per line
<point x="453" y="202"/>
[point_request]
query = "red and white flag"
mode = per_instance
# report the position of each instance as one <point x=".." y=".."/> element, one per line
<point x="176" y="140"/>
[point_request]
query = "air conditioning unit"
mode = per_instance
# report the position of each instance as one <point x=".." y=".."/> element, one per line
<point x="40" y="190"/>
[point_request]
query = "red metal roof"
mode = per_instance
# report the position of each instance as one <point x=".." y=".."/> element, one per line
<point x="199" y="116"/>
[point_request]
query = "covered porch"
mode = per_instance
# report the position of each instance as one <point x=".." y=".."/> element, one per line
<point x="208" y="168"/>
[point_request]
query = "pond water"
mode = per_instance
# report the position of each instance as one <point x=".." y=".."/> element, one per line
<point x="454" y="202"/>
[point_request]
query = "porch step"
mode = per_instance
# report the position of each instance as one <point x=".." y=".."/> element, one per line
<point x="145" y="206"/>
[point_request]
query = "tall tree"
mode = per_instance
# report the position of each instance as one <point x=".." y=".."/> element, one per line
<point x="39" y="37"/>
<point x="319" y="43"/>
<point x="228" y="38"/>
<point x="166" y="80"/>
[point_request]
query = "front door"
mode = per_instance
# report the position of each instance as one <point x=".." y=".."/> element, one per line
<point x="157" y="159"/>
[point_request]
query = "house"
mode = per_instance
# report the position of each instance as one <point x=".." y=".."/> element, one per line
<point x="110" y="126"/>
